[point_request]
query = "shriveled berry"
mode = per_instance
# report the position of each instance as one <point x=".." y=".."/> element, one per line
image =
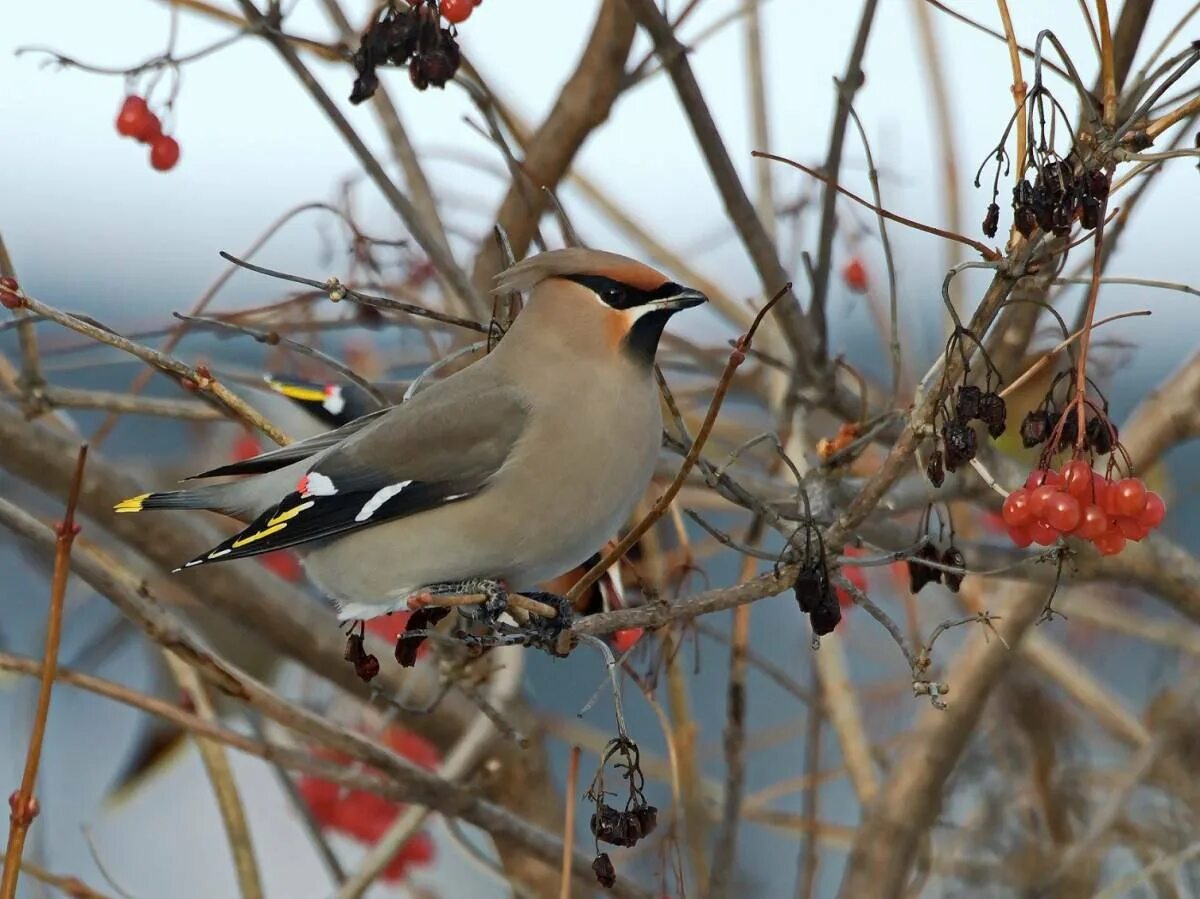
<point x="966" y="403"/>
<point x="919" y="575"/>
<point x="164" y="153"/>
<point x="952" y="579"/>
<point x="1128" y="497"/>
<point x="826" y="616"/>
<point x="935" y="470"/>
<point x="1035" y="428"/>
<point x="1101" y="435"/>
<point x="1062" y="512"/>
<point x="1154" y="512"/>
<point x="993" y="412"/>
<point x="648" y="818"/>
<point x="991" y="220"/>
<point x="606" y="874"/>
<point x="1016" y="512"/>
<point x="960" y="444"/>
<point x="1069" y="432"/>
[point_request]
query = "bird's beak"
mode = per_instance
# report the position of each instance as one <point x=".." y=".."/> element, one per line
<point x="686" y="298"/>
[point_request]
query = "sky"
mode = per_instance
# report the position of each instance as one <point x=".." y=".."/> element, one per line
<point x="91" y="226"/>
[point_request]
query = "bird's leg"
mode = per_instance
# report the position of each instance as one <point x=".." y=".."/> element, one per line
<point x="494" y="591"/>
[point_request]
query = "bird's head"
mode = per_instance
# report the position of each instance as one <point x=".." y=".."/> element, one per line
<point x="597" y="302"/>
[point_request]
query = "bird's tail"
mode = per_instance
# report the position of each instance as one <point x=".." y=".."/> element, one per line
<point x="217" y="497"/>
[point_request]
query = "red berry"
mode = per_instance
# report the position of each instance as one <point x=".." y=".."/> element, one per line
<point x="855" y="275"/>
<point x="1128" y="497"/>
<point x="1132" y="529"/>
<point x="1111" y="543"/>
<point x="147" y="127"/>
<point x="1040" y="476"/>
<point x="1016" y="512"/>
<point x="129" y="119"/>
<point x="1077" y="479"/>
<point x="164" y="153"/>
<point x="1101" y="488"/>
<point x="455" y="11"/>
<point x="1020" y="536"/>
<point x="1062" y="512"/>
<point x="1043" y="534"/>
<point x="1040" y="498"/>
<point x="1093" y="524"/>
<point x="1154" y="512"/>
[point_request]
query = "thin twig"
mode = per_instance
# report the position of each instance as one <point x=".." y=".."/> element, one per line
<point x="846" y="87"/>
<point x="220" y="774"/>
<point x="236" y="406"/>
<point x="23" y="803"/>
<point x="338" y="291"/>
<point x="986" y="252"/>
<point x="564" y="889"/>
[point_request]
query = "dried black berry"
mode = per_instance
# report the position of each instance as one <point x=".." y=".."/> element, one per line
<point x="935" y="470"/>
<point x="409" y="642"/>
<point x="811" y="586"/>
<point x="1089" y="212"/>
<point x="991" y="221"/>
<point x="1024" y="220"/>
<point x="366" y="665"/>
<point x="437" y="64"/>
<point x="919" y="575"/>
<point x="993" y="412"/>
<point x="1035" y="428"/>
<point x="647" y="818"/>
<point x="608" y="826"/>
<point x="602" y="867"/>
<point x="1101" y="435"/>
<point x="952" y="557"/>
<point x="1097" y="184"/>
<point x="826" y="616"/>
<point x="960" y="444"/>
<point x="1070" y="430"/>
<point x="966" y="403"/>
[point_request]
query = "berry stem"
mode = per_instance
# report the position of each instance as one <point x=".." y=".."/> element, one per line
<point x="1085" y="341"/>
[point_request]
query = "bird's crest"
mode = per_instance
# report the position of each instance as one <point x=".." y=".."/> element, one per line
<point x="532" y="270"/>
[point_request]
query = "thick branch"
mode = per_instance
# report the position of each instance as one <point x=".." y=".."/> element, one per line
<point x="582" y="106"/>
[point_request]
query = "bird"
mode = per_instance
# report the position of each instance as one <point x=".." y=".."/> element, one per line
<point x="502" y="475"/>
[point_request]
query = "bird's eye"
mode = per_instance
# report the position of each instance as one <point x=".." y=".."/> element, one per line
<point x="612" y="296"/>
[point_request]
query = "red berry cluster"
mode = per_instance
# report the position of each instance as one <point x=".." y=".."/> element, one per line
<point x="366" y="817"/>
<point x="456" y="11"/>
<point x="1078" y="501"/>
<point x="137" y="121"/>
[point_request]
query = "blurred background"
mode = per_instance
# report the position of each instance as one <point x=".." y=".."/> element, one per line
<point x="92" y="228"/>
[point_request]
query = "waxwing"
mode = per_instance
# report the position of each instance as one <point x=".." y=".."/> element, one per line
<point x="505" y="474"/>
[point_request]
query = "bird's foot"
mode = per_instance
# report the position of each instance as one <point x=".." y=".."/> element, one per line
<point x="546" y="633"/>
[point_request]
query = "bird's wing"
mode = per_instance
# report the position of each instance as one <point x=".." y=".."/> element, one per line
<point x="330" y="403"/>
<point x="442" y="446"/>
<point x="293" y="452"/>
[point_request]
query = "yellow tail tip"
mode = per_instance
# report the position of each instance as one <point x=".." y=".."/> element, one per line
<point x="133" y="504"/>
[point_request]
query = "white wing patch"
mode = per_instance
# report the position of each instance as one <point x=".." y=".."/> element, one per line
<point x="334" y="401"/>
<point x="371" y="506"/>
<point x="316" y="484"/>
